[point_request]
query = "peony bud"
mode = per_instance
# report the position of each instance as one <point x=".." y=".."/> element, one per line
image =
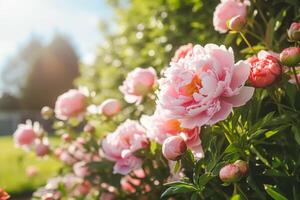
<point x="294" y="32"/>
<point x="243" y="167"/>
<point x="47" y="112"/>
<point x="110" y="107"/>
<point x="42" y="149"/>
<point x="236" y="23"/>
<point x="230" y="173"/>
<point x="290" y="56"/>
<point x="173" y="147"/>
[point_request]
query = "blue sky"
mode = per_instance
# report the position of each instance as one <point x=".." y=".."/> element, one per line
<point x="78" y="19"/>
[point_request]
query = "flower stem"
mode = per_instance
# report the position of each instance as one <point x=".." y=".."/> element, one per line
<point x="247" y="42"/>
<point x="295" y="74"/>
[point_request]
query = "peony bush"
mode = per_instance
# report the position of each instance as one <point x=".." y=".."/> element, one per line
<point x="216" y="123"/>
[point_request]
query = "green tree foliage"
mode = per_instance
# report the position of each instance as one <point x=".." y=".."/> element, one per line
<point x="148" y="33"/>
<point x="39" y="73"/>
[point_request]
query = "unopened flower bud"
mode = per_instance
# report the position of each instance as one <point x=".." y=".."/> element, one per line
<point x="110" y="107"/>
<point x="230" y="173"/>
<point x="236" y="23"/>
<point x="47" y="112"/>
<point x="173" y="147"/>
<point x="294" y="32"/>
<point x="290" y="56"/>
<point x="243" y="166"/>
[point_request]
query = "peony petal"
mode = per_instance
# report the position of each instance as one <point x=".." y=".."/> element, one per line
<point x="240" y="75"/>
<point x="244" y="95"/>
<point x="222" y="114"/>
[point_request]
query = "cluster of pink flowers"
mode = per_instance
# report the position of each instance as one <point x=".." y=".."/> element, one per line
<point x="121" y="145"/>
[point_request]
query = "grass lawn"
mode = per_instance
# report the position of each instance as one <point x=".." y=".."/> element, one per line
<point x="13" y="164"/>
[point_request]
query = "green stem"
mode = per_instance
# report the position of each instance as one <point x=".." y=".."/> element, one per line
<point x="228" y="137"/>
<point x="247" y="42"/>
<point x="295" y="74"/>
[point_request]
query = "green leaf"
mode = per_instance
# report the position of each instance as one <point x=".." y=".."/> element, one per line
<point x="272" y="191"/>
<point x="204" y="179"/>
<point x="236" y="197"/>
<point x="178" y="188"/>
<point x="296" y="131"/>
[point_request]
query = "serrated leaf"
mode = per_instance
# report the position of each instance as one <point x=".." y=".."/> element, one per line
<point x="274" y="193"/>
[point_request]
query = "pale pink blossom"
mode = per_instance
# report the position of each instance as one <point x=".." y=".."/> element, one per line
<point x="182" y="51"/>
<point x="110" y="107"/>
<point x="137" y="84"/>
<point x="160" y="128"/>
<point x="226" y="10"/>
<point x="81" y="169"/>
<point x="120" y="145"/>
<point x="26" y="134"/>
<point x="204" y="88"/>
<point x="70" y="104"/>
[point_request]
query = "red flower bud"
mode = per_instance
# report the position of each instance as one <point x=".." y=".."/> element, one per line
<point x="236" y="23"/>
<point x="294" y="32"/>
<point x="290" y="56"/>
<point x="173" y="147"/>
<point x="230" y="173"/>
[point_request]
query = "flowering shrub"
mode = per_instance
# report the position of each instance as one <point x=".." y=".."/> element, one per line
<point x="214" y="124"/>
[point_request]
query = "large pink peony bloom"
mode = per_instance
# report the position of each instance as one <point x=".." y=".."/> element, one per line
<point x="159" y="128"/>
<point x="203" y="89"/>
<point x="70" y="104"/>
<point x="137" y="84"/>
<point x="226" y="10"/>
<point x="120" y="145"/>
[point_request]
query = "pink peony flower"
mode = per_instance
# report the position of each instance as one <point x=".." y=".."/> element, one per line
<point x="160" y="128"/>
<point x="137" y="84"/>
<point x="120" y="145"/>
<point x="203" y="89"/>
<point x="182" y="51"/>
<point x="70" y="104"/>
<point x="173" y="147"/>
<point x="110" y="107"/>
<point x="226" y="10"/>
<point x="265" y="69"/>
<point x="80" y="169"/>
<point x="26" y="134"/>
